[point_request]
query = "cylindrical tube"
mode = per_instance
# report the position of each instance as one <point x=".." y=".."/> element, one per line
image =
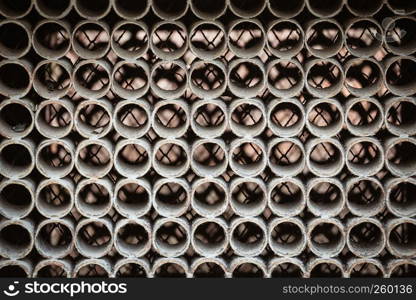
<point x="286" y="10"/>
<point x="364" y="156"/>
<point x="17" y="157"/>
<point x="15" y="77"/>
<point x="247" y="9"/>
<point x="124" y="34"/>
<point x="16" y="268"/>
<point x="246" y="37"/>
<point x="209" y="236"/>
<point x="209" y="197"/>
<point x="208" y="11"/>
<point x="325" y="117"/>
<point x="131" y="9"/>
<point x="54" y="238"/>
<point x="170" y="10"/>
<point x="247" y="117"/>
<point x="92" y="10"/>
<point x="246" y="77"/>
<point x="132" y="157"/>
<point x="55" y="9"/>
<point x="326" y="237"/>
<point x="51" y="38"/>
<point x="55" y="197"/>
<point x="286" y="196"/>
<point x="209" y="118"/>
<point x="176" y="165"/>
<point x="132" y="237"/>
<point x="365" y="237"/>
<point x="325" y="156"/>
<point x="286" y="117"/>
<point x="248" y="236"/>
<point x="279" y="42"/>
<point x="324" y="37"/>
<point x="92" y="267"/>
<point x="16" y="238"/>
<point x="399" y="196"/>
<point x="91" y="39"/>
<point x="17" y="198"/>
<point x="130" y="78"/>
<point x="247" y="156"/>
<point x="364" y="116"/>
<point x="170" y="267"/>
<point x="325" y="197"/>
<point x="52" y="267"/>
<point x="54" y="118"/>
<point x="365" y="196"/>
<point x="207" y="39"/>
<point x="209" y="157"/>
<point x="13" y="48"/>
<point x="168" y="40"/>
<point x="168" y="79"/>
<point x="401" y="240"/>
<point x="399" y="116"/>
<point x="209" y="267"/>
<point x="94" y="157"/>
<point x="171" y="197"/>
<point x="324" y="9"/>
<point x="170" y="118"/>
<point x="55" y="157"/>
<point x="14" y="10"/>
<point x="325" y="267"/>
<point x="94" y="197"/>
<point x="286" y="267"/>
<point x="94" y="237"/>
<point x="324" y="77"/>
<point x="286" y="156"/>
<point x="132" y="118"/>
<point x="131" y="267"/>
<point x="400" y="153"/>
<point x="287" y="236"/>
<point x="248" y="267"/>
<point x="132" y="197"/>
<point x="17" y="117"/>
<point x="171" y="237"/>
<point x="248" y="196"/>
<point x="207" y="78"/>
<point x="285" y="77"/>
<point x="92" y="78"/>
<point x="365" y="267"/>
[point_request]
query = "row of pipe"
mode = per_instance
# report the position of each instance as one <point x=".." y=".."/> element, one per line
<point x="209" y="237"/>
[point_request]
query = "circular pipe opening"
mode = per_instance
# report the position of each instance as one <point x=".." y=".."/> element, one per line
<point x="129" y="40"/>
<point x="93" y="198"/>
<point x="132" y="198"/>
<point x="248" y="197"/>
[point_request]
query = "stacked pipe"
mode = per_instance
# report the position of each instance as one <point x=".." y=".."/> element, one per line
<point x="192" y="138"/>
